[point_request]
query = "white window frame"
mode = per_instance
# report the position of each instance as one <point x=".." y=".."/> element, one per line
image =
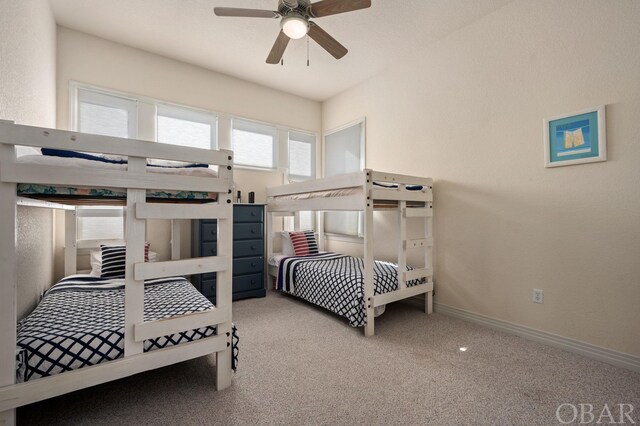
<point x="247" y="124"/>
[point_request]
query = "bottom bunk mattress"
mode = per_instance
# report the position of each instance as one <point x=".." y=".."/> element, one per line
<point x="336" y="282"/>
<point x="80" y="322"/>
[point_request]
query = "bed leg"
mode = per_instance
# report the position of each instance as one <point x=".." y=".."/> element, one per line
<point x="223" y="369"/>
<point x="428" y="302"/>
<point x="8" y="417"/>
<point x="369" y="328"/>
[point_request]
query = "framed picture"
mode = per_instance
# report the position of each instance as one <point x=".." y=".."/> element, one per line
<point x="575" y="138"/>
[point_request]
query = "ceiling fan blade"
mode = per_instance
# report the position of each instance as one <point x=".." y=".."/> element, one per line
<point x="333" y="7"/>
<point x="327" y="42"/>
<point x="278" y="48"/>
<point x="245" y="13"/>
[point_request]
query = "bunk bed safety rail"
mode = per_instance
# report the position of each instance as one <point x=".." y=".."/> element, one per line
<point x="323" y="184"/>
<point x="137" y="151"/>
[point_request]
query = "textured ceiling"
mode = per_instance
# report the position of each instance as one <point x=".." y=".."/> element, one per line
<point x="187" y="30"/>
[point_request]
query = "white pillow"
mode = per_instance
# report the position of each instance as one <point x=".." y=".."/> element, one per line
<point x="95" y="259"/>
<point x="287" y="245"/>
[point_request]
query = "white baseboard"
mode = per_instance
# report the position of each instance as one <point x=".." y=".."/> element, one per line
<point x="609" y="356"/>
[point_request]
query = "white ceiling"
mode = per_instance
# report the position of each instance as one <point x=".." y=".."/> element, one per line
<point x="187" y="30"/>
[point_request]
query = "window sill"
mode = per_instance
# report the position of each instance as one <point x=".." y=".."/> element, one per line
<point x="253" y="168"/>
<point x="344" y="238"/>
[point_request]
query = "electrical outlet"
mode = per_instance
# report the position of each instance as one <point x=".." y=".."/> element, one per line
<point x="538" y="296"/>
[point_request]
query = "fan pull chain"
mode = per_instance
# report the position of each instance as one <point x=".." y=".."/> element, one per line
<point x="281" y="62"/>
<point x="307" y="50"/>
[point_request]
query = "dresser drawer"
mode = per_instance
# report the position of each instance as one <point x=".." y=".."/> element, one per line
<point x="209" y="249"/>
<point x="248" y="248"/>
<point x="208" y="288"/>
<point x="247" y="282"/>
<point x="247" y="213"/>
<point x="248" y="265"/>
<point x="208" y="276"/>
<point x="209" y="231"/>
<point x="247" y="231"/>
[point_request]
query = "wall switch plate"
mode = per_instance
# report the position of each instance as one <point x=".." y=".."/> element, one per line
<point x="538" y="296"/>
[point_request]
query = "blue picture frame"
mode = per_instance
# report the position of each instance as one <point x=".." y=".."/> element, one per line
<point x="576" y="138"/>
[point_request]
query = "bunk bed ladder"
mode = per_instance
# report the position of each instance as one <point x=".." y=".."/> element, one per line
<point x="425" y="244"/>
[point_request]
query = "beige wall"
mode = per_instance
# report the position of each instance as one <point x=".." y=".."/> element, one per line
<point x="87" y="59"/>
<point x="468" y="111"/>
<point x="27" y="96"/>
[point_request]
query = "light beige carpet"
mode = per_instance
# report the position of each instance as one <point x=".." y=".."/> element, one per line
<point x="302" y="365"/>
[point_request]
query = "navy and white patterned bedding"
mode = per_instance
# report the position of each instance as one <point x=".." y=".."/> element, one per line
<point x="80" y="322"/>
<point x="336" y="282"/>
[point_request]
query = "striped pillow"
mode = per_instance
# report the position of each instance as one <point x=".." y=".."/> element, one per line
<point x="304" y="242"/>
<point x="113" y="260"/>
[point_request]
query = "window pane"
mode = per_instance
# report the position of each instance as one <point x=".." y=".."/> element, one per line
<point x="253" y="144"/>
<point x="342" y="151"/>
<point x="343" y="154"/>
<point x="301" y="155"/>
<point x="185" y="127"/>
<point x="103" y="120"/>
<point x="299" y="158"/>
<point x="103" y="223"/>
<point x="108" y="115"/>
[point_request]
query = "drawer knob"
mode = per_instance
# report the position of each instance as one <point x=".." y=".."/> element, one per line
<point x="253" y="231"/>
<point x="253" y="247"/>
<point x="253" y="213"/>
<point x="253" y="265"/>
<point x="253" y="281"/>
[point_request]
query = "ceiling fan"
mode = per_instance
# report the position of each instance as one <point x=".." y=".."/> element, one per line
<point x="295" y="22"/>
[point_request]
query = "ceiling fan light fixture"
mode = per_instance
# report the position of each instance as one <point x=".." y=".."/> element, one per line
<point x="295" y="26"/>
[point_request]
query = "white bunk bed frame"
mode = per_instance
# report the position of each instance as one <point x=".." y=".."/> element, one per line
<point x="409" y="204"/>
<point x="136" y="180"/>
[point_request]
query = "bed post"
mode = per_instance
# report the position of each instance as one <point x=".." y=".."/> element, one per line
<point x="269" y="236"/>
<point x="134" y="237"/>
<point x="428" y="255"/>
<point x="70" y="242"/>
<point x="320" y="228"/>
<point x="368" y="256"/>
<point x="8" y="285"/>
<point x="224" y="278"/>
<point x="402" y="241"/>
<point x="176" y="234"/>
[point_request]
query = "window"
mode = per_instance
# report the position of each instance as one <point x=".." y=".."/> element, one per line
<point x="186" y="127"/>
<point x="254" y="144"/>
<point x="100" y="223"/>
<point x="106" y="114"/>
<point x="344" y="153"/>
<point x="302" y="158"/>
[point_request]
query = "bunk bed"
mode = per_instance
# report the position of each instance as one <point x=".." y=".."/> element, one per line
<point x="148" y="336"/>
<point x="326" y="279"/>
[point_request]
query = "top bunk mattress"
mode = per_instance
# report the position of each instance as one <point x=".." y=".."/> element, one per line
<point x="109" y="195"/>
<point x="355" y="190"/>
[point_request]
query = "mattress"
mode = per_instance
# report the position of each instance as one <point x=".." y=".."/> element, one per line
<point x="80" y="322"/>
<point x="59" y="192"/>
<point x="336" y="282"/>
<point x="342" y="192"/>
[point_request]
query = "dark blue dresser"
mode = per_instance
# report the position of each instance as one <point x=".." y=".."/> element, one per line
<point x="248" y="252"/>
